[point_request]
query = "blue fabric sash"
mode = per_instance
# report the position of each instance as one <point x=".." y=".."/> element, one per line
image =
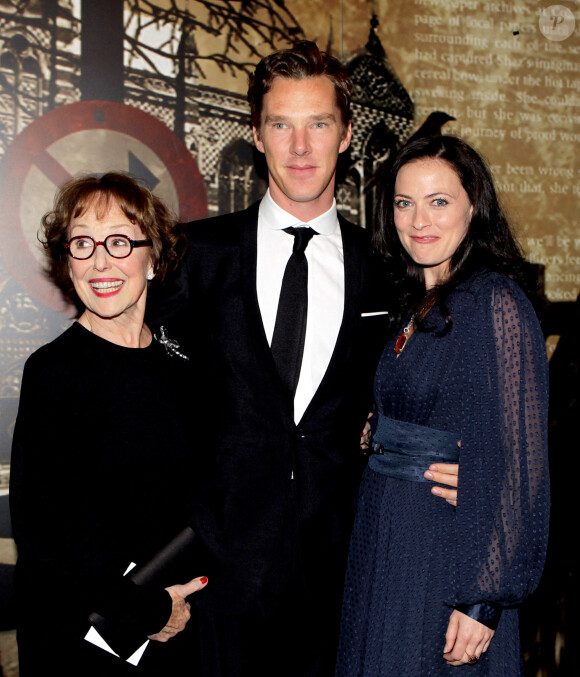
<point x="405" y="450"/>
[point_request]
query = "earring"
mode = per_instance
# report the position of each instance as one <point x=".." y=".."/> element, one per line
<point x="150" y="276"/>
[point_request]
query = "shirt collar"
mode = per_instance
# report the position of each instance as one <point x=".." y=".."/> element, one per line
<point x="276" y="218"/>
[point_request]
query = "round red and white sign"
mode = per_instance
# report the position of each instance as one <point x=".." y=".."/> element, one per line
<point x="86" y="137"/>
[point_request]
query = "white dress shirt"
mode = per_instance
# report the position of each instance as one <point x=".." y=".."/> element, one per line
<point x="324" y="254"/>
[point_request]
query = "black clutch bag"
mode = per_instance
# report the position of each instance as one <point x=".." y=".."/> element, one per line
<point x="126" y="641"/>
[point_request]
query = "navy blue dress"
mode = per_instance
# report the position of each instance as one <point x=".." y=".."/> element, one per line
<point x="414" y="557"/>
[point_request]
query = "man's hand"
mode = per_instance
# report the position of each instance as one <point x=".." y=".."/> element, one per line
<point x="465" y="640"/>
<point x="444" y="473"/>
<point x="180" y="611"/>
<point x="365" y="436"/>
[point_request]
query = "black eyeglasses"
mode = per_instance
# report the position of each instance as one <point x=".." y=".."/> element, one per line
<point x="118" y="246"/>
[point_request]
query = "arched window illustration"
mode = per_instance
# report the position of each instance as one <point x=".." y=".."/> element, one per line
<point x="348" y="196"/>
<point x="22" y="86"/>
<point x="380" y="144"/>
<point x="239" y="184"/>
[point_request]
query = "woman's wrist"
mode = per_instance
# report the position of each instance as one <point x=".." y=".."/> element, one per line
<point x="483" y="612"/>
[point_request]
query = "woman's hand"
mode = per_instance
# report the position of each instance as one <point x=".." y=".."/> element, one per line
<point x="180" y="610"/>
<point x="465" y="639"/>
<point x="444" y="473"/>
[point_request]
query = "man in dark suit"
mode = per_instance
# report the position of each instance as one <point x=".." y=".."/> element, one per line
<point x="275" y="508"/>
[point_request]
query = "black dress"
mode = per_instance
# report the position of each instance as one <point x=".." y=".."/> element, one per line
<point x="413" y="557"/>
<point x="101" y="476"/>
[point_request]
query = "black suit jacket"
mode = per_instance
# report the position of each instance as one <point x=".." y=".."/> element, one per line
<point x="278" y="499"/>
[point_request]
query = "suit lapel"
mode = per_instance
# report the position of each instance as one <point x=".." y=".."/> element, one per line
<point x="249" y="257"/>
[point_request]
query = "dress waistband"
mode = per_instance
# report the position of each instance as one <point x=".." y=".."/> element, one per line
<point x="405" y="450"/>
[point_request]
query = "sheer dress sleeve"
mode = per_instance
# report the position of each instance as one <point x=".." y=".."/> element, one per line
<point x="502" y="516"/>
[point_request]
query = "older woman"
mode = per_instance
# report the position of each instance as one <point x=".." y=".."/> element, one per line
<point x="464" y="377"/>
<point x="101" y="460"/>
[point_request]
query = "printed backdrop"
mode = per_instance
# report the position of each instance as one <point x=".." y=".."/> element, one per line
<point x="157" y="88"/>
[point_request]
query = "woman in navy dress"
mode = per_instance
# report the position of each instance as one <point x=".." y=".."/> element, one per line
<point x="430" y="585"/>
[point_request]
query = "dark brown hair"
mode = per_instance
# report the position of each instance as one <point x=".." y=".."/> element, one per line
<point x="304" y="60"/>
<point x="488" y="243"/>
<point x="134" y="199"/>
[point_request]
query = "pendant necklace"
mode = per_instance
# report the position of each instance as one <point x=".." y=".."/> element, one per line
<point x="401" y="342"/>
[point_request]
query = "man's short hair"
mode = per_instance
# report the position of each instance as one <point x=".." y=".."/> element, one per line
<point x="304" y="60"/>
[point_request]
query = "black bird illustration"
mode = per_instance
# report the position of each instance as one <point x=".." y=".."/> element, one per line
<point x="432" y="125"/>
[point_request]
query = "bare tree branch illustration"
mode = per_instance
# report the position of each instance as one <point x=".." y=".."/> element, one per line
<point x="249" y="30"/>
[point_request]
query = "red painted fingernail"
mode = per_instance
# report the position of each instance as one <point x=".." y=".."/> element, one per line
<point x="203" y="580"/>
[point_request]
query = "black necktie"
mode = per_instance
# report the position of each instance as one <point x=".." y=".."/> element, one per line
<point x="290" y="328"/>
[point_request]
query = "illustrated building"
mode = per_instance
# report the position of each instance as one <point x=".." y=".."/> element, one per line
<point x="41" y="55"/>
